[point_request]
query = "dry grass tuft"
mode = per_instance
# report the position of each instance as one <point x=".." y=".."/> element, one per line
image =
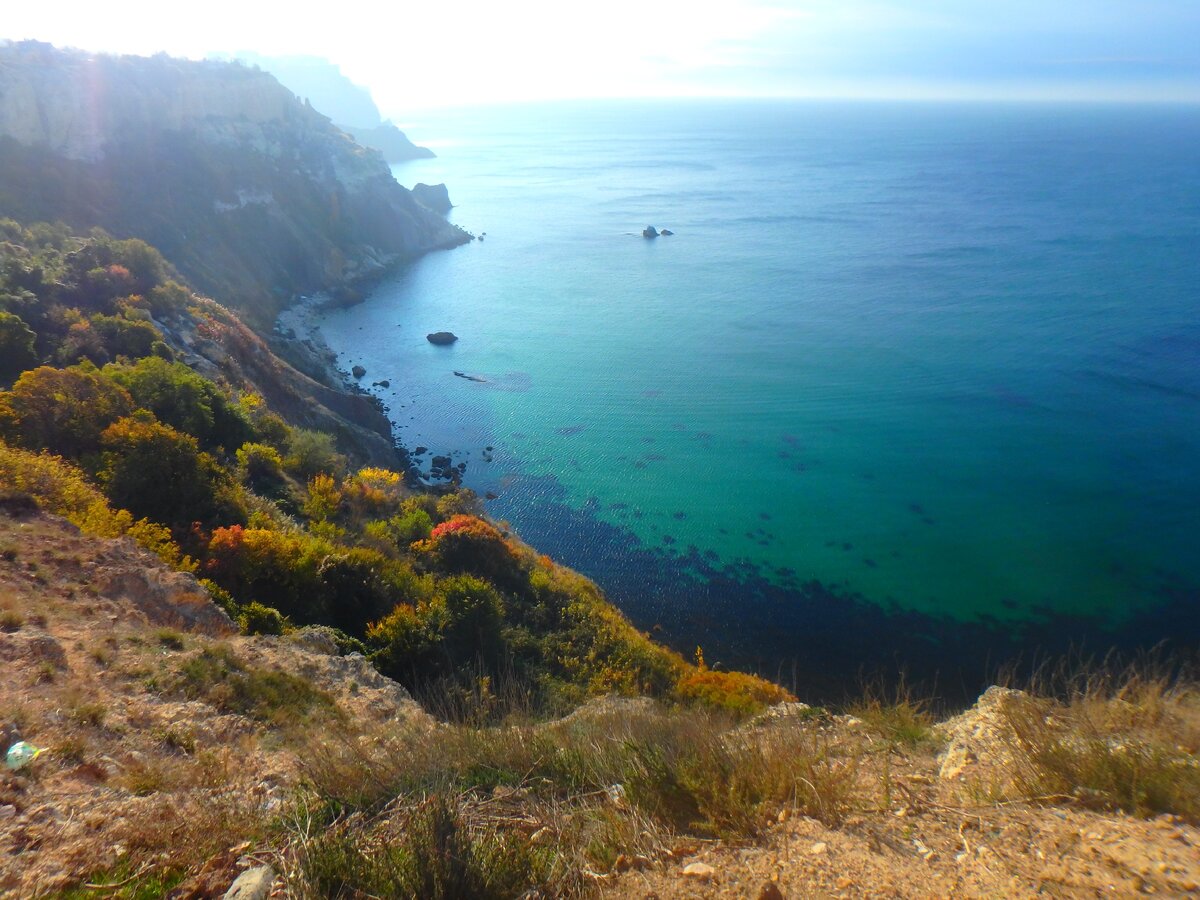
<point x="436" y="848"/>
<point x="1126" y="741"/>
<point x="594" y="792"/>
<point x="896" y="714"/>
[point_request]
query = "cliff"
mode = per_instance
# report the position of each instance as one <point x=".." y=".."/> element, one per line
<point x="349" y="105"/>
<point x="321" y="83"/>
<point x="250" y="192"/>
<point x="388" y="140"/>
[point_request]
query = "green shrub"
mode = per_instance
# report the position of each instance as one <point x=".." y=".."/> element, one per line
<point x="62" y="489"/>
<point x="409" y="526"/>
<point x="311" y="453"/>
<point x="258" y="619"/>
<point x="468" y="544"/>
<point x="260" y="465"/>
<point x="155" y="471"/>
<point x="184" y="400"/>
<point x="64" y="411"/>
<point x="125" y="337"/>
<point x="16" y="346"/>
<point x="733" y="691"/>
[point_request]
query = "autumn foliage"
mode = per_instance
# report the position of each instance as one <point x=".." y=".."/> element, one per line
<point x="279" y="522"/>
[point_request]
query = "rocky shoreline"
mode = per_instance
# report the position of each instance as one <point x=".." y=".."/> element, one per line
<point x="298" y="337"/>
<point x="298" y="332"/>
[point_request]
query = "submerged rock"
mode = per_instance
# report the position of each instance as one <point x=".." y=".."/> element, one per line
<point x="358" y="371"/>
<point x="666" y="232"/>
<point x="649" y="232"/>
<point x="442" y="338"/>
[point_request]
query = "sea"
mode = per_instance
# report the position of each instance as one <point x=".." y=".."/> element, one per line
<point x="910" y="387"/>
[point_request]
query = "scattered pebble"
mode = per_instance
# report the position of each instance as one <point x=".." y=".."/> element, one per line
<point x="700" y="871"/>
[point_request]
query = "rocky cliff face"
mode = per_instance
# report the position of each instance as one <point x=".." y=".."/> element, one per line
<point x="349" y="105"/>
<point x="249" y="191"/>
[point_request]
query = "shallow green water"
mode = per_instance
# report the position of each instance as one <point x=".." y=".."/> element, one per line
<point x="941" y="357"/>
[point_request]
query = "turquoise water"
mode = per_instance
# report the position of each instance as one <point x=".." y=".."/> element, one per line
<point x="941" y="359"/>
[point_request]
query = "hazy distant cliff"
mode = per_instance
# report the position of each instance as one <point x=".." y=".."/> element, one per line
<point x="349" y="105"/>
<point x="250" y="192"/>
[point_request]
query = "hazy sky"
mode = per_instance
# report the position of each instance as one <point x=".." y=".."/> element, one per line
<point x="476" y="51"/>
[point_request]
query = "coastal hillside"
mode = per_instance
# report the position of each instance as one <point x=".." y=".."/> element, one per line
<point x="251" y="193"/>
<point x="179" y="757"/>
<point x="246" y="653"/>
<point x="349" y="105"/>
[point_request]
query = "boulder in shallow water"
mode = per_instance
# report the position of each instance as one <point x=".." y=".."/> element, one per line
<point x="442" y="338"/>
<point x="358" y="371"/>
<point x="666" y="232"/>
<point x="649" y="232"/>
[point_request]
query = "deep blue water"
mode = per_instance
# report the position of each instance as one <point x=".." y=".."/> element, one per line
<point x="908" y="383"/>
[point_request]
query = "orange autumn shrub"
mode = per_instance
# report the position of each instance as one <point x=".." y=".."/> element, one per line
<point x="467" y="544"/>
<point x="734" y="691"/>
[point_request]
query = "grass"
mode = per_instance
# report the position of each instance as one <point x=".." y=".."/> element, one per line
<point x="149" y="776"/>
<point x="1127" y="741"/>
<point x="102" y="655"/>
<point x="896" y="714"/>
<point x="216" y="676"/>
<point x="600" y="788"/>
<point x="169" y="638"/>
<point x="85" y="712"/>
<point x="125" y="882"/>
<point x="177" y="738"/>
<point x="11" y="620"/>
<point x="16" y="714"/>
<point x="432" y="851"/>
<point x="73" y="748"/>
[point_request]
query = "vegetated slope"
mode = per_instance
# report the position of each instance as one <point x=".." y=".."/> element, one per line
<point x="220" y="477"/>
<point x="178" y="753"/>
<point x="66" y="298"/>
<point x="252" y="194"/>
<point x="167" y="736"/>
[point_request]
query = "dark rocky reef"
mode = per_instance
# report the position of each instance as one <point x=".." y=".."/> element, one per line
<point x="442" y="338"/>
<point x="253" y="194"/>
<point x="434" y="196"/>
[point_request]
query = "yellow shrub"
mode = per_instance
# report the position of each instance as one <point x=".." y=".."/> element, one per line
<point x="735" y="691"/>
<point x="323" y="498"/>
<point x="62" y="489"/>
